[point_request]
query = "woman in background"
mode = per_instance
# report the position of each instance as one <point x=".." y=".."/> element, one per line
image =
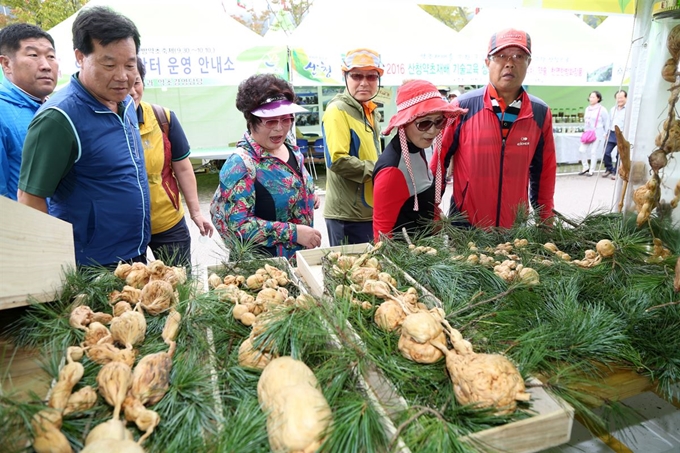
<point x="595" y="118"/>
<point x="171" y="175"/>
<point x="265" y="194"/>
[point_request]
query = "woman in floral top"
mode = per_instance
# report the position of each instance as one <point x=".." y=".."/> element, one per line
<point x="265" y="194"/>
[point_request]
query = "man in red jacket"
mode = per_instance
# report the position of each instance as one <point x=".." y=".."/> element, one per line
<point x="503" y="149"/>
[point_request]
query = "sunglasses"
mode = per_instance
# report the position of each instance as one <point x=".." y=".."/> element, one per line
<point x="273" y="124"/>
<point x="358" y="77"/>
<point x="424" y="126"/>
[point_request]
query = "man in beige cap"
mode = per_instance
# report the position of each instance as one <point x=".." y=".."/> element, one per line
<point x="503" y="148"/>
<point x="351" y="133"/>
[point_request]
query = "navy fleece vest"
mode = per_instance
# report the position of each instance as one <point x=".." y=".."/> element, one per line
<point x="105" y="195"/>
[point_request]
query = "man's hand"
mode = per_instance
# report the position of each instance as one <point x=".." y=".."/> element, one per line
<point x="38" y="203"/>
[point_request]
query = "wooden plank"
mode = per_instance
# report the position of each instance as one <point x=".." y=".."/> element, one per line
<point x="36" y="249"/>
<point x="21" y="372"/>
<point x="550" y="425"/>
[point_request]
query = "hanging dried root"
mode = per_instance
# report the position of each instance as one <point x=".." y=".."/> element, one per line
<point x="676" y="198"/>
<point x="646" y="198"/>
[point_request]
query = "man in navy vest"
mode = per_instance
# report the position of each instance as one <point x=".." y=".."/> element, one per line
<point x="83" y="150"/>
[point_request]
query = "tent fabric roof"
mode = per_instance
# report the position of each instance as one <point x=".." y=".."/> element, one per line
<point x="551" y="31"/>
<point x="171" y="20"/>
<point x="360" y="23"/>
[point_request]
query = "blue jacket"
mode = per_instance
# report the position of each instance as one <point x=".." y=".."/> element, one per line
<point x="105" y="195"/>
<point x="16" y="112"/>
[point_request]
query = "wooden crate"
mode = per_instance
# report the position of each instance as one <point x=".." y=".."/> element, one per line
<point x="36" y="248"/>
<point x="550" y="425"/>
<point x="309" y="264"/>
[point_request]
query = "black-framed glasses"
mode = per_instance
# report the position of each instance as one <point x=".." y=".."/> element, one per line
<point x="273" y="124"/>
<point x="425" y="125"/>
<point x="515" y="57"/>
<point x="359" y="77"/>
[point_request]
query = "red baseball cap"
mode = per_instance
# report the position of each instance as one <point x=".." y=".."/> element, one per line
<point x="510" y="37"/>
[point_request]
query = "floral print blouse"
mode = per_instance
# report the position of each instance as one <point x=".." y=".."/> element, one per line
<point x="233" y="205"/>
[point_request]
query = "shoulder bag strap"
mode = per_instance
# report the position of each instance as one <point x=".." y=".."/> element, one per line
<point x="162" y="118"/>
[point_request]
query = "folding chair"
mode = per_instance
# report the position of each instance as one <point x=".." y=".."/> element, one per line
<point x="317" y="149"/>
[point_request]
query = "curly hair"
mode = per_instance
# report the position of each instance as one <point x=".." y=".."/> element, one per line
<point x="254" y="90"/>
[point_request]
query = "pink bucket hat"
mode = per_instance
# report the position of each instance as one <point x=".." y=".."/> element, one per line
<point x="417" y="98"/>
<point x="277" y="106"/>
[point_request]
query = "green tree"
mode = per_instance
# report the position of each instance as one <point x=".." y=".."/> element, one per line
<point x="43" y="13"/>
<point x="455" y="17"/>
<point x="296" y="8"/>
<point x="256" y="22"/>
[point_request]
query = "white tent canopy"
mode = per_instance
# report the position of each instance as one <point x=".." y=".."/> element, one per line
<point x="617" y="32"/>
<point x="565" y="50"/>
<point x="411" y="42"/>
<point x="360" y="23"/>
<point x="180" y="42"/>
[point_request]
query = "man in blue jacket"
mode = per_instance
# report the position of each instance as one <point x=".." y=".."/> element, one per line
<point x="83" y="149"/>
<point x="30" y="67"/>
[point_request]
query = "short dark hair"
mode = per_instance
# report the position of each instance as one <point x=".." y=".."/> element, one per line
<point x="598" y="94"/>
<point x="625" y="93"/>
<point x="254" y="90"/>
<point x="12" y="35"/>
<point x="141" y="69"/>
<point x="103" y="24"/>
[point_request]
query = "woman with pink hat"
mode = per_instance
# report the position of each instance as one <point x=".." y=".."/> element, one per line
<point x="265" y="194"/>
<point x="405" y="192"/>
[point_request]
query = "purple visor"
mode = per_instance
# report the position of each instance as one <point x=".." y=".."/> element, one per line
<point x="277" y="108"/>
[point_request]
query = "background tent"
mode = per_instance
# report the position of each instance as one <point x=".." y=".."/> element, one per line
<point x="195" y="56"/>
<point x="563" y="46"/>
<point x="412" y="42"/>
<point x="617" y="33"/>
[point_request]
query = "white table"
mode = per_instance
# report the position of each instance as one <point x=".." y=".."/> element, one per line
<point x="566" y="148"/>
<point x="211" y="153"/>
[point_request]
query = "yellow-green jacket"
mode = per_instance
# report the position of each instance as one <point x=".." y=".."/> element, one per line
<point x="351" y="148"/>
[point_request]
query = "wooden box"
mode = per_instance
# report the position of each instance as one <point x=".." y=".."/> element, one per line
<point x="550" y="426"/>
<point x="309" y="264"/>
<point x="36" y="248"/>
